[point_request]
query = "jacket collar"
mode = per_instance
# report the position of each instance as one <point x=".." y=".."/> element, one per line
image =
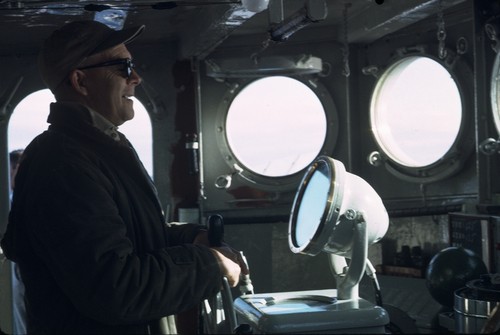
<point x="74" y="114"/>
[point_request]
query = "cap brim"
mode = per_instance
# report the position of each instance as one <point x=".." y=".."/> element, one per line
<point x="119" y="37"/>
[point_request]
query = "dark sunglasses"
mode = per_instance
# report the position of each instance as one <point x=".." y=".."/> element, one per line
<point x="129" y="65"/>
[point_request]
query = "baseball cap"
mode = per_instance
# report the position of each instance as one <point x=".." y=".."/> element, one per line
<point x="67" y="47"/>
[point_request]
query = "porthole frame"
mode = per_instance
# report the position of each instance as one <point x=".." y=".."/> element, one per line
<point x="246" y="175"/>
<point x="494" y="92"/>
<point x="463" y="146"/>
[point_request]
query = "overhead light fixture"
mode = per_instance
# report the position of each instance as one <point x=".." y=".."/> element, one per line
<point x="255" y="6"/>
<point x="113" y="18"/>
<point x="313" y="11"/>
<point x="341" y="214"/>
<point x="263" y="66"/>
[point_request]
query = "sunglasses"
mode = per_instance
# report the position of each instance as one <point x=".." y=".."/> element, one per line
<point x="128" y="65"/>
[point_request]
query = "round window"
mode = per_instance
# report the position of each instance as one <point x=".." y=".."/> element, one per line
<point x="30" y="119"/>
<point x="276" y="126"/>
<point x="416" y="111"/>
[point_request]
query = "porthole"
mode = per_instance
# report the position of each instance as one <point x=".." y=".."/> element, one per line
<point x="275" y="127"/>
<point x="30" y="119"/>
<point x="418" y="118"/>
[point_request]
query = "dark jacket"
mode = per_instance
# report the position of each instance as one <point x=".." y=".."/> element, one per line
<point x="88" y="234"/>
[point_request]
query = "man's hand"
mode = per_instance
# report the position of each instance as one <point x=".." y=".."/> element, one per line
<point x="229" y="268"/>
<point x="230" y="261"/>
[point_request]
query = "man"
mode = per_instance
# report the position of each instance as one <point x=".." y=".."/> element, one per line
<point x="86" y="227"/>
<point x="14" y="159"/>
<point x="18" y="310"/>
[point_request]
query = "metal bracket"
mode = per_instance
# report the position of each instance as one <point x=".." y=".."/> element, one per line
<point x="489" y="146"/>
<point x="7" y="97"/>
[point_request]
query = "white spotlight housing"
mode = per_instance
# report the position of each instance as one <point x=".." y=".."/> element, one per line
<point x="339" y="213"/>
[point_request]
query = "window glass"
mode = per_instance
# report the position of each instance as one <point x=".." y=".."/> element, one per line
<point x="416" y="111"/>
<point x="30" y="119"/>
<point x="139" y="133"/>
<point x="276" y="126"/>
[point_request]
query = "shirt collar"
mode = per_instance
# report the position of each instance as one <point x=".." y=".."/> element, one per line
<point x="104" y="125"/>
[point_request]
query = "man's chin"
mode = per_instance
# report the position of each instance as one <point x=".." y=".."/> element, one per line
<point x="128" y="115"/>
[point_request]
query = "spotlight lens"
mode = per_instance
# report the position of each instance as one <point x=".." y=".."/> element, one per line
<point x="313" y="205"/>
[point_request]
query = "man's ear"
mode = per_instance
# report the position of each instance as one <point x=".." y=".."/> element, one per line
<point x="77" y="79"/>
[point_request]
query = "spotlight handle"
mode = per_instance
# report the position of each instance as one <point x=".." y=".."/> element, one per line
<point x="215" y="228"/>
